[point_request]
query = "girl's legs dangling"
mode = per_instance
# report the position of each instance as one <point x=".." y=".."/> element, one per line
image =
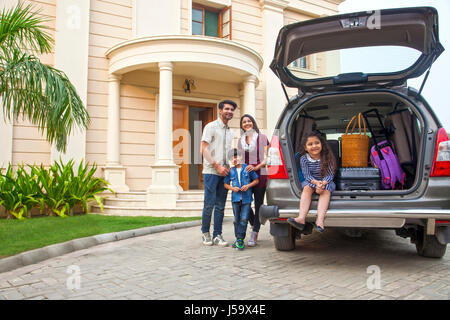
<point x="322" y="207"/>
<point x="305" y="202"/>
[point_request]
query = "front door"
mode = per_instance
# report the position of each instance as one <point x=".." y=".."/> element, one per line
<point x="181" y="143"/>
<point x="185" y="137"/>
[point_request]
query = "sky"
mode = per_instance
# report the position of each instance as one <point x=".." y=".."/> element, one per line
<point x="438" y="82"/>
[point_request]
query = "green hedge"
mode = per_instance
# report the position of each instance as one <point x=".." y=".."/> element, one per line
<point x="56" y="190"/>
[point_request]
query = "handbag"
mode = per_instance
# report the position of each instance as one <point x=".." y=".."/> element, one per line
<point x="355" y="147"/>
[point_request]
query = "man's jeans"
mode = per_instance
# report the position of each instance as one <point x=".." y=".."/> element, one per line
<point x="215" y="198"/>
<point x="241" y="212"/>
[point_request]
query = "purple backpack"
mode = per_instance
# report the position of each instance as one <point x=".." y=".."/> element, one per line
<point x="382" y="156"/>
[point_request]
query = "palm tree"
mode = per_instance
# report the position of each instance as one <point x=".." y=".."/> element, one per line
<point x="31" y="89"/>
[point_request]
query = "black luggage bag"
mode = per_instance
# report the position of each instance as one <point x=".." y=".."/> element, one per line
<point x="349" y="179"/>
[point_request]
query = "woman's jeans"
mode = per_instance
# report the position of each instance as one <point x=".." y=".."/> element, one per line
<point x="253" y="218"/>
<point x="215" y="198"/>
<point x="241" y="212"/>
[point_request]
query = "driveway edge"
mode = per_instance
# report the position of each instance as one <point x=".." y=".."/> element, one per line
<point x="37" y="255"/>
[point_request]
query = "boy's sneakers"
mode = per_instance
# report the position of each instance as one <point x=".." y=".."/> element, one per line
<point x="207" y="239"/>
<point x="220" y="241"/>
<point x="239" y="244"/>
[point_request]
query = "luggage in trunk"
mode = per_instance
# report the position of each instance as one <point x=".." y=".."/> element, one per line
<point x="349" y="179"/>
<point x="383" y="156"/>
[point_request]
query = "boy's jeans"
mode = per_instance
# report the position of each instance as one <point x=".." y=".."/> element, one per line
<point x="241" y="212"/>
<point x="215" y="198"/>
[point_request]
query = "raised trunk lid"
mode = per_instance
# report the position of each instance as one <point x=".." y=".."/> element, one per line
<point x="415" y="28"/>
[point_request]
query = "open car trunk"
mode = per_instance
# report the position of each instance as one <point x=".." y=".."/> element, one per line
<point x="331" y="113"/>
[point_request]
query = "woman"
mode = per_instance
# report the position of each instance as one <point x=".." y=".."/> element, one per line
<point x="254" y="146"/>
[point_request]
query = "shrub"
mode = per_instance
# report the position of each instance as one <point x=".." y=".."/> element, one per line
<point x="56" y="190"/>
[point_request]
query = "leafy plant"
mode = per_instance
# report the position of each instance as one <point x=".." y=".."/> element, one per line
<point x="85" y="187"/>
<point x="27" y="186"/>
<point x="52" y="186"/>
<point x="17" y="192"/>
<point x="57" y="190"/>
<point x="62" y="188"/>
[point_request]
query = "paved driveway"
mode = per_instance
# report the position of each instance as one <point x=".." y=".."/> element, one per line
<point x="175" y="265"/>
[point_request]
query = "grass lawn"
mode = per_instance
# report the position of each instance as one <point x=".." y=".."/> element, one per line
<point x="18" y="236"/>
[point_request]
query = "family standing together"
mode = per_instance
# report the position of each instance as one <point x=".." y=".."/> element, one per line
<point x="242" y="171"/>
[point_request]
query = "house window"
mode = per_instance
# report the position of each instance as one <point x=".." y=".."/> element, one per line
<point x="211" y="22"/>
<point x="301" y="63"/>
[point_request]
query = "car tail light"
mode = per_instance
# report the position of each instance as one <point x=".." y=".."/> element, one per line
<point x="441" y="163"/>
<point x="276" y="169"/>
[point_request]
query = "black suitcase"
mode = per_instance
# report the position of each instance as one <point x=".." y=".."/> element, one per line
<point x="349" y="179"/>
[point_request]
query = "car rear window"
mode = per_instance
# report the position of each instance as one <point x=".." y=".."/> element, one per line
<point x="380" y="59"/>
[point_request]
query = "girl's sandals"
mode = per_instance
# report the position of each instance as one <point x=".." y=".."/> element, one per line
<point x="320" y="229"/>
<point x="295" y="224"/>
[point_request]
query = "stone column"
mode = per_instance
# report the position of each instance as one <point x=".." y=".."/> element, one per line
<point x="114" y="172"/>
<point x="163" y="191"/>
<point x="274" y="99"/>
<point x="249" y="97"/>
<point x="71" y="56"/>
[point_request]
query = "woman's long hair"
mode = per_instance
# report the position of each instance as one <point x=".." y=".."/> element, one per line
<point x="327" y="158"/>
<point x="255" y="126"/>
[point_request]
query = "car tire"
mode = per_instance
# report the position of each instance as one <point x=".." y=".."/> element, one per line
<point x="428" y="245"/>
<point x="285" y="243"/>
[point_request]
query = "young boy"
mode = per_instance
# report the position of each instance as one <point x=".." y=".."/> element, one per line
<point x="240" y="182"/>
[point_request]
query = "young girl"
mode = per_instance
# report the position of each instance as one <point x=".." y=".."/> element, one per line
<point x="318" y="166"/>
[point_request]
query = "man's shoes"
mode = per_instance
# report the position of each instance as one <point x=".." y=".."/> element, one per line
<point x="239" y="244"/>
<point x="207" y="241"/>
<point x="253" y="238"/>
<point x="295" y="224"/>
<point x="220" y="241"/>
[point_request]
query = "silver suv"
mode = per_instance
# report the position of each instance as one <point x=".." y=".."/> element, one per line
<point x="421" y="210"/>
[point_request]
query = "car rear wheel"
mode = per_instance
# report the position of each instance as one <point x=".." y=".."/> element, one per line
<point x="285" y="243"/>
<point x="428" y="245"/>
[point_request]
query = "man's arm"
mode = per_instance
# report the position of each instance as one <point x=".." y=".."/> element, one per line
<point x="207" y="154"/>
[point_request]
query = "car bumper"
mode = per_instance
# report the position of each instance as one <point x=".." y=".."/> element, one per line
<point x="371" y="218"/>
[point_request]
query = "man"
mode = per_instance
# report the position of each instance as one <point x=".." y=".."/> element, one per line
<point x="216" y="143"/>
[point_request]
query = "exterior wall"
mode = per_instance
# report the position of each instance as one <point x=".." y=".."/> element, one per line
<point x="149" y="21"/>
<point x="247" y="30"/>
<point x="185" y="17"/>
<point x="138" y="125"/>
<point x="111" y="22"/>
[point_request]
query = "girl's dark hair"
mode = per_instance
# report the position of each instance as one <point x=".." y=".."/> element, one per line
<point x="255" y="126"/>
<point x="327" y="158"/>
